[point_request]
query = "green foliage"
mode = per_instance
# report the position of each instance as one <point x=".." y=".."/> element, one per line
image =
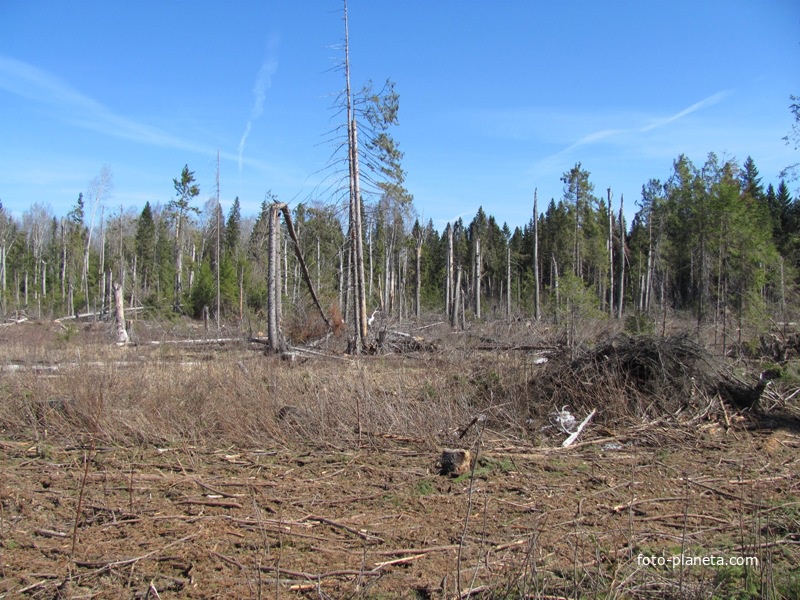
<point x="640" y="324"/>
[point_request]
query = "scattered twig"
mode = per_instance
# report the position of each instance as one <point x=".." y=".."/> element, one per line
<point x="79" y="508"/>
<point x="212" y="502"/>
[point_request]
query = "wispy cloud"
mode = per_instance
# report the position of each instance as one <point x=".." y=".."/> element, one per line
<point x="629" y="137"/>
<point x="704" y="103"/>
<point x="75" y="108"/>
<point x="262" y="84"/>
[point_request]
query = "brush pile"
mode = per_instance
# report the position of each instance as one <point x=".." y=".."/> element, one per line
<point x="640" y="377"/>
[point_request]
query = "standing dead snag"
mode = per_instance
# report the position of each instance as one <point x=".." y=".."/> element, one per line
<point x="275" y="342"/>
<point x="119" y="315"/>
<point x="355" y="229"/>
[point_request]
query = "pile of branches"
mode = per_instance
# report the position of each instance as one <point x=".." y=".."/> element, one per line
<point x="641" y="377"/>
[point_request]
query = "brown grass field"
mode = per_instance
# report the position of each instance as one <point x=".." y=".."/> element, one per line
<point x="171" y="471"/>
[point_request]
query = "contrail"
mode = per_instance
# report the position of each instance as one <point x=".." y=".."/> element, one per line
<point x="710" y="101"/>
<point x="262" y="84"/>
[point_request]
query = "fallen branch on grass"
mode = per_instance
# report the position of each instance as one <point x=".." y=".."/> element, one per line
<point x="571" y="439"/>
<point x="362" y="534"/>
<point x="212" y="502"/>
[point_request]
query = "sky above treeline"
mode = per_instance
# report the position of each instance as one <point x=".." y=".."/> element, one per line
<point x="497" y="98"/>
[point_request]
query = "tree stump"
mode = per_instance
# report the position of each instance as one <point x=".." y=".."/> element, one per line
<point x="455" y="462"/>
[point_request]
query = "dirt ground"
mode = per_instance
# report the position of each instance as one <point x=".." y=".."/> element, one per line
<point x="370" y="516"/>
<point x="379" y="522"/>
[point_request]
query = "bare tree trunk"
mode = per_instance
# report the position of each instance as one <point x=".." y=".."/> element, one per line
<point x="555" y="286"/>
<point x="478" y="278"/>
<point x="456" y="298"/>
<point x="356" y="239"/>
<point x="103" y="295"/>
<point x="621" y="259"/>
<point x="449" y="286"/>
<point x="219" y="226"/>
<point x="610" y="258"/>
<point x="119" y="315"/>
<point x="342" y="305"/>
<point x="508" y="281"/>
<point x="134" y="283"/>
<point x="178" y="263"/>
<point x="537" y="307"/>
<point x="274" y="338"/>
<point x="63" y="274"/>
<point x="369" y="248"/>
<point x="417" y="292"/>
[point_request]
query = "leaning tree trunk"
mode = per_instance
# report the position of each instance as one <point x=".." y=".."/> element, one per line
<point x="287" y="217"/>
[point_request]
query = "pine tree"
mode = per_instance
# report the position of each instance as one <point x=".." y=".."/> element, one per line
<point x="186" y="190"/>
<point x="145" y="247"/>
<point x="233" y="228"/>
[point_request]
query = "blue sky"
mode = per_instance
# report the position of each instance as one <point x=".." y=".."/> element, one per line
<point x="497" y="98"/>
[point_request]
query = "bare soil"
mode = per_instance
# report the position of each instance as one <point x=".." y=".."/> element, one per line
<point x="309" y="513"/>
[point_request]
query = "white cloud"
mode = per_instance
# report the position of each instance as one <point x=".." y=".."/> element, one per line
<point x="75" y="108"/>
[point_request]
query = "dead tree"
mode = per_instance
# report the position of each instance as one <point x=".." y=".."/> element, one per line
<point x="418" y="256"/>
<point x="450" y="284"/>
<point x="621" y="258"/>
<point x="610" y="258"/>
<point x="508" y="280"/>
<point x="355" y="229"/>
<point x="456" y="298"/>
<point x="478" y="278"/>
<point x="275" y="341"/>
<point x="537" y="308"/>
<point x="119" y="315"/>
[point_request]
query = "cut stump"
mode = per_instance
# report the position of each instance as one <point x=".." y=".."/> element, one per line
<point x="455" y="462"/>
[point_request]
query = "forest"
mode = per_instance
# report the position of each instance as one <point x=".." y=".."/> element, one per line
<point x="712" y="242"/>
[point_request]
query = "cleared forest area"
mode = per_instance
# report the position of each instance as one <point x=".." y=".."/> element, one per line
<point x="214" y="470"/>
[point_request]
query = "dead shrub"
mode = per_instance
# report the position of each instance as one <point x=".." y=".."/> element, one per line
<point x="627" y="377"/>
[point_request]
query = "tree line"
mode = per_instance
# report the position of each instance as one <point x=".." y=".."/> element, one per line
<point x="711" y="241"/>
